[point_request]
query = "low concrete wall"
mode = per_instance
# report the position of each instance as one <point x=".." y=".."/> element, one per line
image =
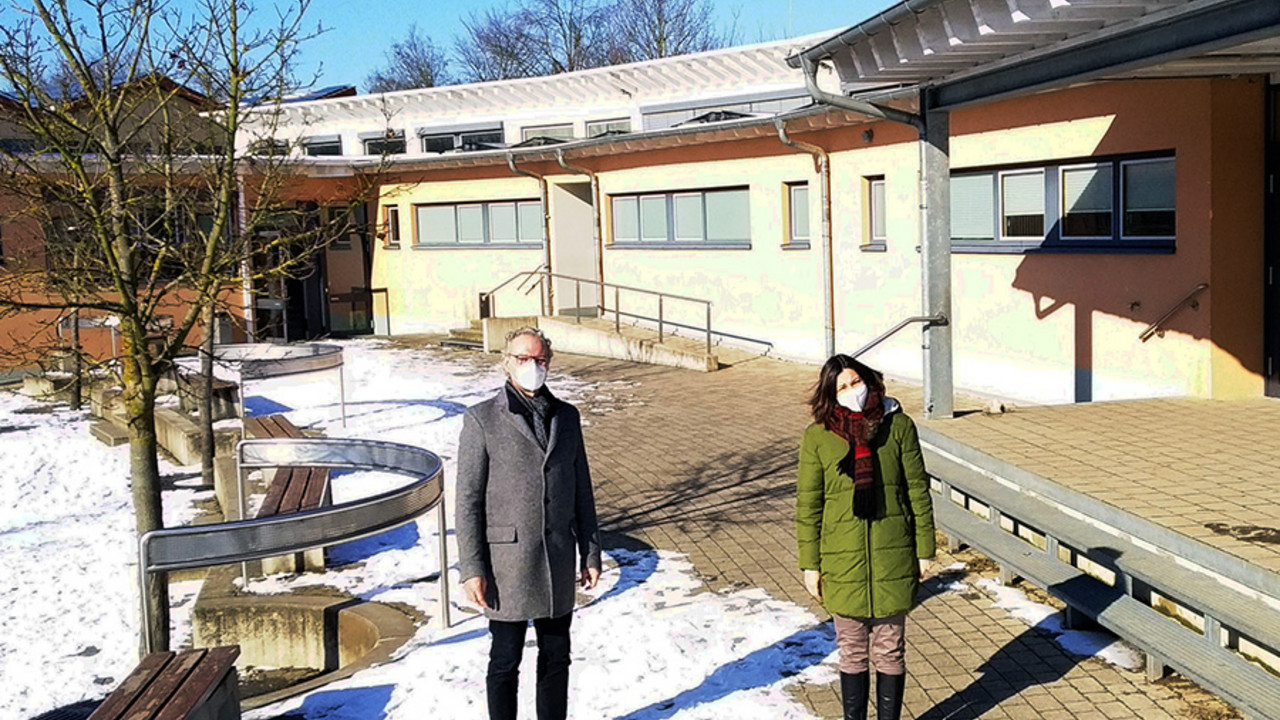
<point x="320" y="630"/>
<point x="496" y="329"/>
<point x="569" y="336"/>
<point x="180" y="436"/>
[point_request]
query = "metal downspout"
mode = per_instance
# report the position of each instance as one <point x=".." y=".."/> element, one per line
<point x="848" y="103"/>
<point x="548" y="293"/>
<point x="822" y="165"/>
<point x="597" y="227"/>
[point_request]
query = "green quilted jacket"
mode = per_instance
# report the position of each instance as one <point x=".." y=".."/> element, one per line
<point x="868" y="567"/>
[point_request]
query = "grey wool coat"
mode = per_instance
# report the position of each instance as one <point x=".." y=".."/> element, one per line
<point x="526" y="518"/>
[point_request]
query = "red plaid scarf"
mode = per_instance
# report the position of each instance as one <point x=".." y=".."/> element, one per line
<point x="857" y="429"/>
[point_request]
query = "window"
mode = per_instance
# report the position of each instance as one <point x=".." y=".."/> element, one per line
<point x="448" y="142"/>
<point x="391" y="223"/>
<point x="1086" y="202"/>
<point x="596" y="128"/>
<point x="555" y="132"/>
<point x="499" y="223"/>
<point x="269" y="147"/>
<point x="1096" y="205"/>
<point x="324" y="145"/>
<point x="389" y="143"/>
<point x="877" y="235"/>
<point x="692" y="217"/>
<point x="1022" y="204"/>
<point x="1148" y="198"/>
<point x="798" y="215"/>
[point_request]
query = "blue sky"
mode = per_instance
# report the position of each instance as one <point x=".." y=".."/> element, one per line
<point x="361" y="30"/>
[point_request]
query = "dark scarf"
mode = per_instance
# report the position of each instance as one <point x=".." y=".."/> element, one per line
<point x="535" y="410"/>
<point x="857" y="429"/>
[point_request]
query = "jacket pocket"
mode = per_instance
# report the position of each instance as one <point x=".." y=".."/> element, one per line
<point x="501" y="533"/>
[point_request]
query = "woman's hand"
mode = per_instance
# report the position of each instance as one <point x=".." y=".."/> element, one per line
<point x="813" y="583"/>
<point x="925" y="564"/>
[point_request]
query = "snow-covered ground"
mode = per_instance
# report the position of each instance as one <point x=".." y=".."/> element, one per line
<point x="649" y="643"/>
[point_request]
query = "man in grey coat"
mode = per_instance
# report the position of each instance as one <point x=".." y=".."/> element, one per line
<point x="526" y="522"/>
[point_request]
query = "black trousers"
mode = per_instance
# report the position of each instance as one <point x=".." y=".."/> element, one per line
<point x="553" y="667"/>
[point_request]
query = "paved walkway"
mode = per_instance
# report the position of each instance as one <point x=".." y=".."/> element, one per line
<point x="704" y="464"/>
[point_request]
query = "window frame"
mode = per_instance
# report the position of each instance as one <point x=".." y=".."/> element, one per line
<point x="324" y="142"/>
<point x="872" y="243"/>
<point x="391" y="137"/>
<point x="533" y="131"/>
<point x="670" y="240"/>
<point x="486" y="240"/>
<point x="1053" y="240"/>
<point x="602" y="126"/>
<point x="391" y="225"/>
<point x="791" y="240"/>
<point x="1118" y="186"/>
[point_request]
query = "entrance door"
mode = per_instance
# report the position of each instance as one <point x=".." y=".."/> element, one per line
<point x="1272" y="279"/>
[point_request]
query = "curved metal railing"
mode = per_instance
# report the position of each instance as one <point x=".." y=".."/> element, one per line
<point x="240" y="541"/>
<point x="259" y="361"/>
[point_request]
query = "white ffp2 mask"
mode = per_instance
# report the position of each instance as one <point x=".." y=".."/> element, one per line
<point x="530" y="376"/>
<point x="853" y="398"/>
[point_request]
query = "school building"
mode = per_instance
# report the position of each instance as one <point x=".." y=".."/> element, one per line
<point x="1080" y="193"/>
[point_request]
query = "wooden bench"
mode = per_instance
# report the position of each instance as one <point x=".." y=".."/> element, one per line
<point x="191" y="685"/>
<point x="290" y="490"/>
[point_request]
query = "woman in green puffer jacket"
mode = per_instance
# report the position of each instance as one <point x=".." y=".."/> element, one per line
<point x="864" y="524"/>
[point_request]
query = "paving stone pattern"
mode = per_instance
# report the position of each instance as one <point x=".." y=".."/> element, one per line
<point x="704" y="464"/>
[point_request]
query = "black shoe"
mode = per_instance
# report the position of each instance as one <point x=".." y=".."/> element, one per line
<point x="889" y="696"/>
<point x="853" y="691"/>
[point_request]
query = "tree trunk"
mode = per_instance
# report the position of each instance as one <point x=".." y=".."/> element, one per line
<point x="207" y="447"/>
<point x="77" y="362"/>
<point x="140" y="402"/>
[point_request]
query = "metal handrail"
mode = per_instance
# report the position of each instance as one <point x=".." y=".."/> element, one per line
<point x="544" y="275"/>
<point x="1188" y="299"/>
<point x="243" y="540"/>
<point x="938" y="319"/>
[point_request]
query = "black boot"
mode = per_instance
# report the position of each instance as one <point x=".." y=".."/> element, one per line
<point x="889" y="696"/>
<point x="853" y="691"/>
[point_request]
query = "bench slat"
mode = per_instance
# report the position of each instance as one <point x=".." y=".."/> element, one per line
<point x="158" y="692"/>
<point x="253" y="427"/>
<point x="295" y="487"/>
<point x="317" y="483"/>
<point x="201" y="683"/>
<point x="119" y="701"/>
<point x="275" y="493"/>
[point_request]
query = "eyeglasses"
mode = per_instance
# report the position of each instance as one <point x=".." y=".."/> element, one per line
<point x="522" y="359"/>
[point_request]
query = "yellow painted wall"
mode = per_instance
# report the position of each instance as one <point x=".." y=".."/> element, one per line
<point x="435" y="289"/>
<point x="765" y="292"/>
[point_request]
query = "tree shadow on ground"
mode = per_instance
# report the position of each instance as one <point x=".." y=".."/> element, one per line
<point x="727" y="489"/>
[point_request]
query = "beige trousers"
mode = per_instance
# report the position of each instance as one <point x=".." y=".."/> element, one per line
<point x="882" y="641"/>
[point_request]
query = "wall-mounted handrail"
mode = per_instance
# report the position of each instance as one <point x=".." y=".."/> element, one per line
<point x="926" y="319"/>
<point x="1188" y="299"/>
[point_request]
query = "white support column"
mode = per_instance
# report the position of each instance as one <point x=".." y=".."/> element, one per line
<point x="935" y="259"/>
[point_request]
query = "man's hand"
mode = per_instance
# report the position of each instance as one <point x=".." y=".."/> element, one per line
<point x="475" y="588"/>
<point x="813" y="583"/>
<point x="590" y="576"/>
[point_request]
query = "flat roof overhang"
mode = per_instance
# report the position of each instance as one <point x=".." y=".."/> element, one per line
<point x="965" y="52"/>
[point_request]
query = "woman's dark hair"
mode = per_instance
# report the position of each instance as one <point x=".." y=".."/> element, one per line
<point x="823" y="399"/>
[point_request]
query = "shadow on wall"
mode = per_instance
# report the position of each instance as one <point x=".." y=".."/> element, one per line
<point x="1208" y="126"/>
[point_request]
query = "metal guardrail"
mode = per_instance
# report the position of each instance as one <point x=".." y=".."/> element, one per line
<point x="926" y="319"/>
<point x="543" y="275"/>
<point x="240" y="541"/>
<point x="1188" y="299"/>
<point x="260" y="361"/>
<point x="1103" y="564"/>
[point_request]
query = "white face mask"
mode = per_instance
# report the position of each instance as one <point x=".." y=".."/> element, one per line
<point x="530" y="376"/>
<point x="853" y="398"/>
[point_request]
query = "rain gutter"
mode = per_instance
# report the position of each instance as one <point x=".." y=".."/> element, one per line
<point x="549" y="293"/>
<point x="822" y="165"/>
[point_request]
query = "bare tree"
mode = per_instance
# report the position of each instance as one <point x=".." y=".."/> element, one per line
<point x="414" y="62"/>
<point x="652" y="29"/>
<point x="135" y="114"/>
<point x="541" y="37"/>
